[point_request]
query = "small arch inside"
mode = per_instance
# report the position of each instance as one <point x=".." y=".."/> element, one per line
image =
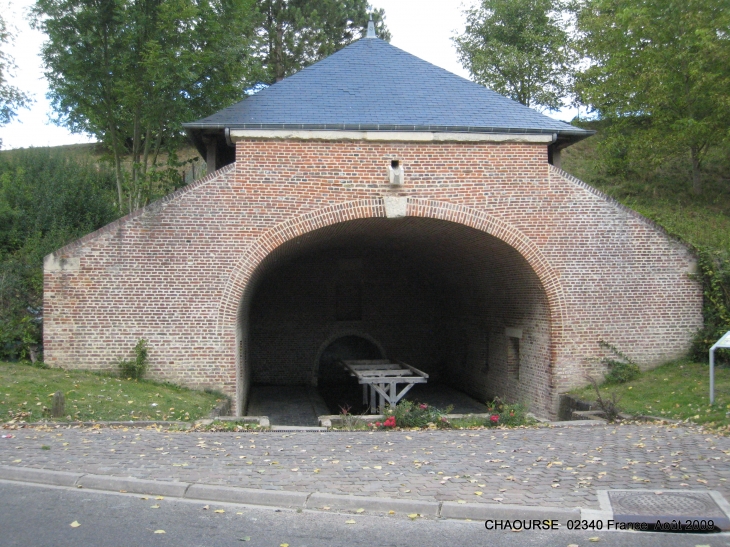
<point x="451" y="300"/>
<point x="337" y="388"/>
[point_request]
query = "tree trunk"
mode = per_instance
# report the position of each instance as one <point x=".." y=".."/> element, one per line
<point x="696" y="181"/>
<point x="117" y="168"/>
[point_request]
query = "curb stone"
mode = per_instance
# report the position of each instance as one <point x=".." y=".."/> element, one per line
<point x="352" y="503"/>
<point x="41" y="476"/>
<point x="146" y="423"/>
<point x="284" y="498"/>
<point x="484" y="511"/>
<point x="279" y="498"/>
<point x="133" y="486"/>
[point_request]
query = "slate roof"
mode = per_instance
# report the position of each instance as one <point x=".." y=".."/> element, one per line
<point x="372" y="85"/>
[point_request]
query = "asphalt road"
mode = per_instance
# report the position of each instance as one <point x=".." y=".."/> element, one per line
<point x="39" y="516"/>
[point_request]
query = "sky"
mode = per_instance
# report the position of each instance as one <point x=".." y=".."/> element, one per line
<point x="421" y="27"/>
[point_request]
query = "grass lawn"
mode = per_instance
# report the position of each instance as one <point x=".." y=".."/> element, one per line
<point x="25" y="392"/>
<point x="677" y="390"/>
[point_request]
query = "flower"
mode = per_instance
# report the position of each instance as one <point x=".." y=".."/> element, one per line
<point x="390" y="422"/>
<point x="378" y="424"/>
<point x="423" y="406"/>
<point x="494" y="418"/>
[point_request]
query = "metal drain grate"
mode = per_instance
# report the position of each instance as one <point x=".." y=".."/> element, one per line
<point x="666" y="507"/>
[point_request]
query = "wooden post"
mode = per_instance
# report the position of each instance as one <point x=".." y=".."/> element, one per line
<point x="59" y="405"/>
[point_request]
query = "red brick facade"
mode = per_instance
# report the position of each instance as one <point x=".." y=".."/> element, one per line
<point x="501" y="278"/>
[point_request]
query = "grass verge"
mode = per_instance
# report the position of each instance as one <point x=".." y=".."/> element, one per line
<point x="26" y="394"/>
<point x="678" y="390"/>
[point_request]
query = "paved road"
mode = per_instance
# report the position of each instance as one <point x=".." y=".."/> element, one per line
<point x="40" y="517"/>
<point x="558" y="467"/>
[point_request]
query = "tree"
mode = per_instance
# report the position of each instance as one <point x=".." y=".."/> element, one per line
<point x="46" y="200"/>
<point x="11" y="98"/>
<point x="520" y="49"/>
<point x="130" y="72"/>
<point x="296" y="33"/>
<point x="661" y="67"/>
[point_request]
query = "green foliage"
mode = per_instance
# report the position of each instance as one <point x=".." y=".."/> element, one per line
<point x="410" y="414"/>
<point x="130" y="73"/>
<point x="714" y="273"/>
<point x="658" y="71"/>
<point x="136" y="368"/>
<point x="92" y="396"/>
<point x="621" y="368"/>
<point x="519" y="49"/>
<point x="47" y="199"/>
<point x="677" y="390"/>
<point x="296" y="33"/>
<point x="510" y="415"/>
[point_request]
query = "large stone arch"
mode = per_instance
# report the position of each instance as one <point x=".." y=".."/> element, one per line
<point x="239" y="284"/>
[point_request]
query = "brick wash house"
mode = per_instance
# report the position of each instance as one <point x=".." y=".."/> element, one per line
<point x="374" y="205"/>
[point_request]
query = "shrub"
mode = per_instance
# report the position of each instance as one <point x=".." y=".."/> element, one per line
<point x="506" y="414"/>
<point x="610" y="406"/>
<point x="621" y="370"/>
<point x="409" y="414"/>
<point x="135" y="368"/>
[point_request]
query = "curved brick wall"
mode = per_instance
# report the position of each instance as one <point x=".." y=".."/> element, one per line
<point x="177" y="272"/>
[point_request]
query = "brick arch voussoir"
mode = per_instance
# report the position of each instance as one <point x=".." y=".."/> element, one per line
<point x="254" y="255"/>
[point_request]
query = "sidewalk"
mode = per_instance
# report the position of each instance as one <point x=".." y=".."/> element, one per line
<point x="559" y="467"/>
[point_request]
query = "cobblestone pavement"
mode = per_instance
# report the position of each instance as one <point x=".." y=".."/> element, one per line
<point x="550" y="466"/>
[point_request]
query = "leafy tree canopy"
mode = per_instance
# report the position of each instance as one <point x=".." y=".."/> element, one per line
<point x="130" y="72"/>
<point x="296" y="33"/>
<point x="520" y="49"/>
<point x="661" y="68"/>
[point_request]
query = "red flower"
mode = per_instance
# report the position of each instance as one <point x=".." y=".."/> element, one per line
<point x="423" y="406"/>
<point x="390" y="422"/>
<point x="494" y="418"/>
<point x="378" y="424"/>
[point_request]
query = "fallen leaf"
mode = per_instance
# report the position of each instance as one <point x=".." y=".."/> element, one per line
<point x="409" y="438"/>
<point x="159" y="498"/>
<point x="460" y="501"/>
<point x="594" y="539"/>
<point x="155" y="506"/>
<point x="144" y="498"/>
<point x="295" y="469"/>
<point x="17" y="461"/>
<point x="160" y="532"/>
<point x="205" y="507"/>
<point x="219" y="511"/>
<point x="413" y="516"/>
<point x="360" y="510"/>
<point x="74" y="524"/>
<point x="245" y="538"/>
<point x="284" y="545"/>
<point x="478" y="493"/>
<point x="391" y="512"/>
<point x="350" y="521"/>
<point x="239" y="513"/>
<point x="326" y="507"/>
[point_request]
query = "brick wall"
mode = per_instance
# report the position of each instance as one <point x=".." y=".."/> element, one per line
<point x="515" y="243"/>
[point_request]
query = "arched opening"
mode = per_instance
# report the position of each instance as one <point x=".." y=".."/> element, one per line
<point x="451" y="300"/>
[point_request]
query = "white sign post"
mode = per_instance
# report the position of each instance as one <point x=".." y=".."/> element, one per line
<point x="723" y="342"/>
